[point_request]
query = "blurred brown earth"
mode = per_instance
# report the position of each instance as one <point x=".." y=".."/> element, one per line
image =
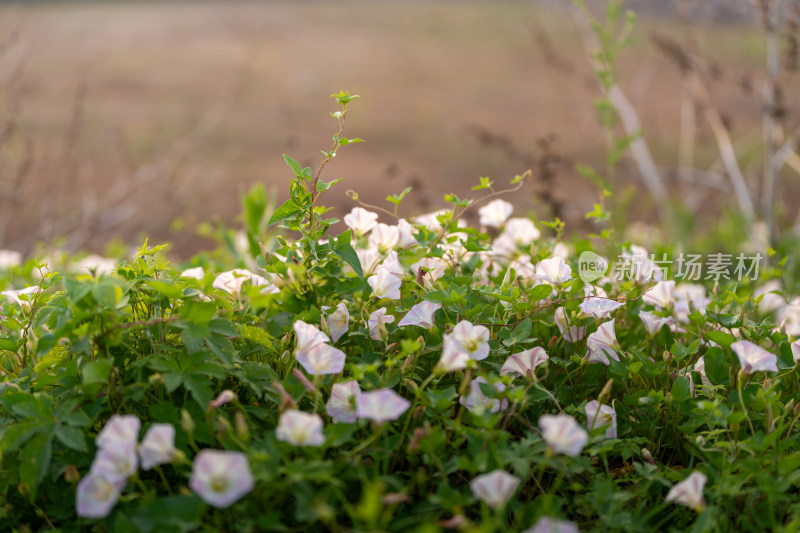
<point x="117" y="119"/>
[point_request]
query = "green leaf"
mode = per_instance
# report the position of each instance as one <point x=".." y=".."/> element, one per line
<point x="397" y="198"/>
<point x="257" y="335"/>
<point x="198" y="313"/>
<point x="287" y="209"/>
<point x="540" y="292"/>
<point x="680" y="389"/>
<point x="295" y="166"/>
<point x="97" y="371"/>
<point x="171" y="513"/>
<point x="727" y="321"/>
<point x="717" y="367"/>
<point x="344" y="250"/>
<point x="34" y="460"/>
<point x="71" y="437"/>
<point x="721" y="338"/>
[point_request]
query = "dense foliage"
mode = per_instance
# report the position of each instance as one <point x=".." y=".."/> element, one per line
<point x="425" y="375"/>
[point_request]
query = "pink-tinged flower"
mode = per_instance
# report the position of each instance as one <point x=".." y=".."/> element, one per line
<point x="342" y="403"/>
<point x="420" y="315"/>
<point x="432" y="267"/>
<point x="700" y="368"/>
<point x="10" y="259"/>
<point x="225" y="397"/>
<point x="308" y="336"/>
<point x="550" y="525"/>
<point x="563" y="434"/>
<point x="571" y="333"/>
<point x="193" y="273"/>
<point x="338" y="322"/>
<point x="430" y="220"/>
<point x="524" y="268"/>
<point x="521" y="230"/>
<point x="377" y="323"/>
<point x="360" y="220"/>
<point x="653" y="323"/>
<point x="477" y="401"/>
<point x="119" y="430"/>
<point x="14" y="295"/>
<point x="602" y="344"/>
<point x="554" y="270"/>
<point x="495" y="488"/>
<point x="689" y="492"/>
<point x="524" y="363"/>
<point x="600" y="307"/>
<point x="233" y="280"/>
<point x="381" y="406"/>
<point x="754" y="358"/>
<point x="96" y="495"/>
<point x="495" y="213"/>
<point x="385" y="284"/>
<point x="796" y="351"/>
<point x="601" y="416"/>
<point x="384" y="237"/>
<point x="300" y="429"/>
<point x="407" y="231"/>
<point x="321" y="359"/>
<point x="117" y="462"/>
<point x="660" y="294"/>
<point x="221" y="478"/>
<point x="157" y="446"/>
<point x="392" y="264"/>
<point x="368" y="259"/>
<point x="452" y="359"/>
<point x="472" y="341"/>
<point x="771" y="300"/>
<point x="686" y="294"/>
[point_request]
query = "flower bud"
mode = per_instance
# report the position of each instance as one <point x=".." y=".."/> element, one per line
<point x="187" y="422"/>
<point x="606" y="391"/>
<point x="304" y="381"/>
<point x="71" y="474"/>
<point x="242" y="431"/>
<point x="647" y="456"/>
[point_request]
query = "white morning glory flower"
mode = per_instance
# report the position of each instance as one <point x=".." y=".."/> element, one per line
<point x="653" y="323"/>
<point x="392" y="264"/>
<point x="407" y="232"/>
<point x="300" y="429"/>
<point x="380" y="406"/>
<point x="341" y="405"/>
<point x="796" y="351"/>
<point x="473" y="341"/>
<point x="377" y="323"/>
<point x="360" y="220"/>
<point x="96" y="495"/>
<point x="495" y="213"/>
<point x="524" y="363"/>
<point x="10" y="259"/>
<point x="368" y="259"/>
<point x="689" y="492"/>
<point x="686" y="293"/>
<point x="554" y="270"/>
<point x="308" y="336"/>
<point x="221" y="478"/>
<point x="433" y="268"/>
<point x="430" y="220"/>
<point x="420" y="315"/>
<point x="233" y="280"/>
<point x="338" y="322"/>
<point x="119" y="430"/>
<point x="599" y="307"/>
<point x="571" y="333"/>
<point x="14" y="295"/>
<point x="193" y="273"/>
<point x="660" y="294"/>
<point x="477" y="401"/>
<point x="385" y="284"/>
<point x="321" y="359"/>
<point x="602" y="344"/>
<point x="117" y="462"/>
<point x="601" y="416"/>
<point x="521" y="230"/>
<point x="563" y="434"/>
<point x="494" y="488"/>
<point x="97" y="263"/>
<point x="384" y="237"/>
<point x="550" y="525"/>
<point x="157" y="446"/>
<point x="452" y="359"/>
<point x="754" y="358"/>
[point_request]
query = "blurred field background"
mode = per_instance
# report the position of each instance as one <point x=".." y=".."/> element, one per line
<point x="123" y="119"/>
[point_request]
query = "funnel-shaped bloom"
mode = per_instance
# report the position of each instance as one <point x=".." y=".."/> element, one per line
<point x="524" y="363"/>
<point x="338" y="322"/>
<point x="392" y="264"/>
<point x="385" y="284"/>
<point x="119" y="430"/>
<point x="407" y="232"/>
<point x="660" y="294"/>
<point x="796" y="351"/>
<point x="157" y="446"/>
<point x="300" y="429"/>
<point x="193" y="273"/>
<point x="563" y="434"/>
<point x="495" y="213"/>
<point x="471" y="340"/>
<point x="550" y="525"/>
<point x="653" y="323"/>
<point x="382" y="405"/>
<point x="221" y="478"/>
<point x="377" y="323"/>
<point x="384" y="237"/>
<point x="754" y="358"/>
<point x="554" y="270"/>
<point x="117" y="462"/>
<point x="308" y="336"/>
<point x="600" y="307"/>
<point x="341" y="405"/>
<point x="322" y="359"/>
<point x="233" y="280"/>
<point x="494" y="488"/>
<point x="14" y="295"/>
<point x="602" y="344"/>
<point x="477" y="401"/>
<point x="601" y="416"/>
<point x="96" y="495"/>
<point x="360" y="220"/>
<point x="420" y="315"/>
<point x="452" y="359"/>
<point x="689" y="492"/>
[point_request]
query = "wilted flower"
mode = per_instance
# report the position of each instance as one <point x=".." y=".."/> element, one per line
<point x="321" y="359"/>
<point x="524" y="363"/>
<point x="563" y="434"/>
<point x="472" y="341"/>
<point x="571" y="333"/>
<point x="119" y="430"/>
<point x="385" y="284"/>
<point x="338" y="322"/>
<point x="117" y="462"/>
<point x="554" y="270"/>
<point x="233" y="280"/>
<point x="341" y="405"/>
<point x="377" y="322"/>
<point x="420" y="315"/>
<point x="550" y="525"/>
<point x="495" y="213"/>
<point x="221" y="477"/>
<point x="602" y="344"/>
<point x="660" y="294"/>
<point x="157" y="446"/>
<point x="193" y="273"/>
<point x="601" y="416"/>
<point x="599" y="307"/>
<point x="384" y="237"/>
<point x="308" y="336"/>
<point x="494" y="488"/>
<point x="381" y="405"/>
<point x="754" y="358"/>
<point x="300" y="429"/>
<point x="224" y="397"/>
<point x="689" y="492"/>
<point x="360" y="220"/>
<point x="476" y="400"/>
<point x="96" y="495"/>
